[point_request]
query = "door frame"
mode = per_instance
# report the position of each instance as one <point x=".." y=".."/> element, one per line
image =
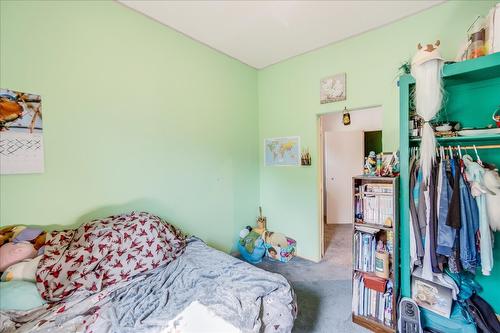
<point x="321" y="171"/>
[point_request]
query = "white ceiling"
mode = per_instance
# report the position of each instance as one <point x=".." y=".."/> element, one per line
<point x="261" y="33"/>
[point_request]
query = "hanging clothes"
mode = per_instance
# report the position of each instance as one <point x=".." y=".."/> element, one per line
<point x="432" y="221"/>
<point x="491" y="181"/>
<point x="416" y="228"/>
<point x="446" y="234"/>
<point x="469" y="217"/>
<point x="453" y="218"/>
<point x="427" y="263"/>
<point x="475" y="174"/>
<point x="450" y="216"/>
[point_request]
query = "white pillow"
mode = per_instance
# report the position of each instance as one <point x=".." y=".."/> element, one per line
<point x="24" y="270"/>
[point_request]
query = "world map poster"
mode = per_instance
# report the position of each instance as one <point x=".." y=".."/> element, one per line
<point x="283" y="151"/>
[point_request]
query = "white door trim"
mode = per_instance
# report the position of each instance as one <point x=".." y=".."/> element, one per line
<point x="321" y="180"/>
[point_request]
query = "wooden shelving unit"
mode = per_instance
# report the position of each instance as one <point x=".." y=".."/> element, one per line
<point x="370" y="322"/>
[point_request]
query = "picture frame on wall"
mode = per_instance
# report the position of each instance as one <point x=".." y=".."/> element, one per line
<point x="333" y="88"/>
<point x="284" y="151"/>
<point x="21" y="133"/>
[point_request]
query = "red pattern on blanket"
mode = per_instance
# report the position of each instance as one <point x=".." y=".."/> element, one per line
<point x="102" y="252"/>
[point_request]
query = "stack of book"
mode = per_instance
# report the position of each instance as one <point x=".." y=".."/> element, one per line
<point x="365" y="244"/>
<point x="372" y="297"/>
<point x="374" y="204"/>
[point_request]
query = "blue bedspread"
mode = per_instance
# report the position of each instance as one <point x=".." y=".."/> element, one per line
<point x="251" y="299"/>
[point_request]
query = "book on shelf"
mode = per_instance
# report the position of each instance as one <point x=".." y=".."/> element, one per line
<point x="372" y="298"/>
<point x="375" y="253"/>
<point x="373" y="208"/>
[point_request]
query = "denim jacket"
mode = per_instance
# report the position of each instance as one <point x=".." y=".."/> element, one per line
<point x="469" y="215"/>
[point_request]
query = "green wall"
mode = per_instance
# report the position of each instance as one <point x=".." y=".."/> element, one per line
<point x="136" y="116"/>
<point x="289" y="104"/>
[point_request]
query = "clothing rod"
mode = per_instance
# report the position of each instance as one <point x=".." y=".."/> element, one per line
<point x="472" y="147"/>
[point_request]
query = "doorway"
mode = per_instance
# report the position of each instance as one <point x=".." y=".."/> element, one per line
<point x="343" y="150"/>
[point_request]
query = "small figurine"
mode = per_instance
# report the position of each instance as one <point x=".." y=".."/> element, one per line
<point x="370" y="164"/>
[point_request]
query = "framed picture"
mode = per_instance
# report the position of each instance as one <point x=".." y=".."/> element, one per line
<point x="21" y="132"/>
<point x="333" y="88"/>
<point x="432" y="296"/>
<point x="388" y="161"/>
<point x="283" y="151"/>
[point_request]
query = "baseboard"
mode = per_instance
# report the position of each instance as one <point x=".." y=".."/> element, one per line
<point x="333" y="223"/>
<point x="310" y="259"/>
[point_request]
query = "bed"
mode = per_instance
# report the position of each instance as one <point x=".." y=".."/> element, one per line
<point x="187" y="278"/>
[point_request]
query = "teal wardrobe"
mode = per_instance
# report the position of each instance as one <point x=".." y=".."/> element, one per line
<point x="472" y="94"/>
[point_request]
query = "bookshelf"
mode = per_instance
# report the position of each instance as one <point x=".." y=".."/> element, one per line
<point x="375" y="203"/>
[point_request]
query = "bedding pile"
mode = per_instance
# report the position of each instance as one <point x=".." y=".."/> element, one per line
<point x="136" y="273"/>
<point x="103" y="252"/>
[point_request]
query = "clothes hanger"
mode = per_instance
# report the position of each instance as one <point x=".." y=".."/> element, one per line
<point x="459" y="151"/>
<point x="478" y="159"/>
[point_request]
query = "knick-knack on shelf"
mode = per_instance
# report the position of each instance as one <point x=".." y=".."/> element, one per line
<point x="370" y="164"/>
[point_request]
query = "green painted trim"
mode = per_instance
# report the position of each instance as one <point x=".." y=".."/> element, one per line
<point x="479" y="69"/>
<point x="404" y="195"/>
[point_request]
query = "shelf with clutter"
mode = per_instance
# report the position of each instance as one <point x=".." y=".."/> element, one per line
<point x="375" y="252"/>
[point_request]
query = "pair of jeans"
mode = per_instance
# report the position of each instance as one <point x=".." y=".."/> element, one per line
<point x="445" y="234"/>
<point x="469" y="215"/>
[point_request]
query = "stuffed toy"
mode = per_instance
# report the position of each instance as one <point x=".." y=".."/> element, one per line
<point x="245" y="232"/>
<point x="250" y="241"/>
<point x="251" y="246"/>
<point x="12" y="253"/>
<point x="39" y="241"/>
<point x="27" y="235"/>
<point x="17" y="234"/>
<point x="24" y="270"/>
<point x="32" y="235"/>
<point x="275" y="239"/>
<point x="6" y="234"/>
<point x="17" y="230"/>
<point x="5" y="237"/>
<point x="259" y="250"/>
